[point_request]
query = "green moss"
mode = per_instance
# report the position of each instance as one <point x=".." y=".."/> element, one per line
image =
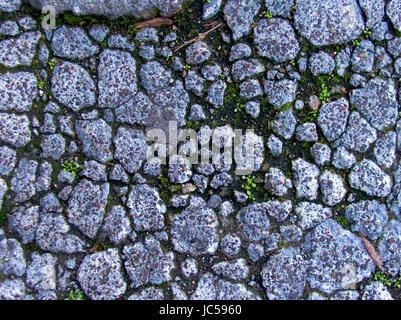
<point x="343" y="221"/>
<point x="164" y="191"/>
<point x="387" y="280"/>
<point x="51" y="63"/>
<point x="249" y="186"/>
<point x="267" y="14"/>
<point x="3" y="218"/>
<point x="191" y="124"/>
<point x="72" y="166"/>
<point x="232" y="99"/>
<point x="76" y="295"/>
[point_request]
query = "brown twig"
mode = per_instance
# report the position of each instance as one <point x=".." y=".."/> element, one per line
<point x="197" y="38"/>
<point x="152" y="23"/>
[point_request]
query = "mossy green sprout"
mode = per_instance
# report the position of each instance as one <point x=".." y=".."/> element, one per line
<point x="72" y="166"/>
<point x="323" y="88"/>
<point x="41" y="84"/>
<point x="238" y="107"/>
<point x="367" y="32"/>
<point x="76" y="294"/>
<point x="267" y="14"/>
<point x="51" y="63"/>
<point x="249" y="186"/>
<point x="233" y="98"/>
<point x="187" y="67"/>
<point x="386" y="280"/>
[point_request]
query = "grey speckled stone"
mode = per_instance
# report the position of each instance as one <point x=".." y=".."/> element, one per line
<point x="333" y="117"/>
<point x="343" y="159"/>
<point x="279" y="210"/>
<point x="116" y="225"/>
<point x="72" y="43"/>
<point x="10" y="5"/>
<point x="253" y="222"/>
<point x="306" y="132"/>
<point x="100" y="275"/>
<point x="363" y="57"/>
<point x="377" y="102"/>
<point x="146" y="263"/>
<point x="275" y="39"/>
<point x="86" y="206"/>
<point x="325" y="22"/>
<point x="61" y="240"/>
<point x="339" y="258"/>
<point x="194" y="83"/>
<point x="9" y="28"/>
<point x="215" y="94"/>
<point x="150" y="293"/>
<point x="359" y="134"/>
<point x="19" y="51"/>
<point x="230" y="244"/>
<point x="239" y="15"/>
<point x="117" y="78"/>
<point x="233" y="270"/>
<point x="240" y="51"/>
<point x="7" y="160"/>
<point x="140" y="9"/>
<point x="376" y="291"/>
<point x="95" y="136"/>
<point x="332" y="187"/>
<point x="197" y="52"/>
<point x="17" y="91"/>
<point x="368" y="177"/>
<point x="306" y="179"/>
<point x="146" y="208"/>
<point x="24" y="221"/>
<point x="276" y="182"/>
<point x="374" y="11"/>
<point x="280" y="7"/>
<point x="242" y="69"/>
<point x="393" y="11"/>
<point x="321" y="153"/>
<point x="390" y="247"/>
<point x="53" y="146"/>
<point x="281" y="92"/>
<point x="321" y="63"/>
<point x="179" y="169"/>
<point x="311" y="214"/>
<point x="211" y="8"/>
<point x="138" y="110"/>
<point x="73" y="86"/>
<point x="284" y="275"/>
<point x="13" y="290"/>
<point x="385" y="149"/>
<point x="368" y="217"/>
<point x="23" y="180"/>
<point x="284" y="124"/>
<point x="14" y="129"/>
<point x="249" y="153"/>
<point x="12" y="258"/>
<point x="130" y="147"/>
<point x="41" y="272"/>
<point x="195" y="229"/>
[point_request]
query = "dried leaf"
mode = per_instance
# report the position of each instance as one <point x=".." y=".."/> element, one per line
<point x="152" y="23"/>
<point x="372" y="252"/>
